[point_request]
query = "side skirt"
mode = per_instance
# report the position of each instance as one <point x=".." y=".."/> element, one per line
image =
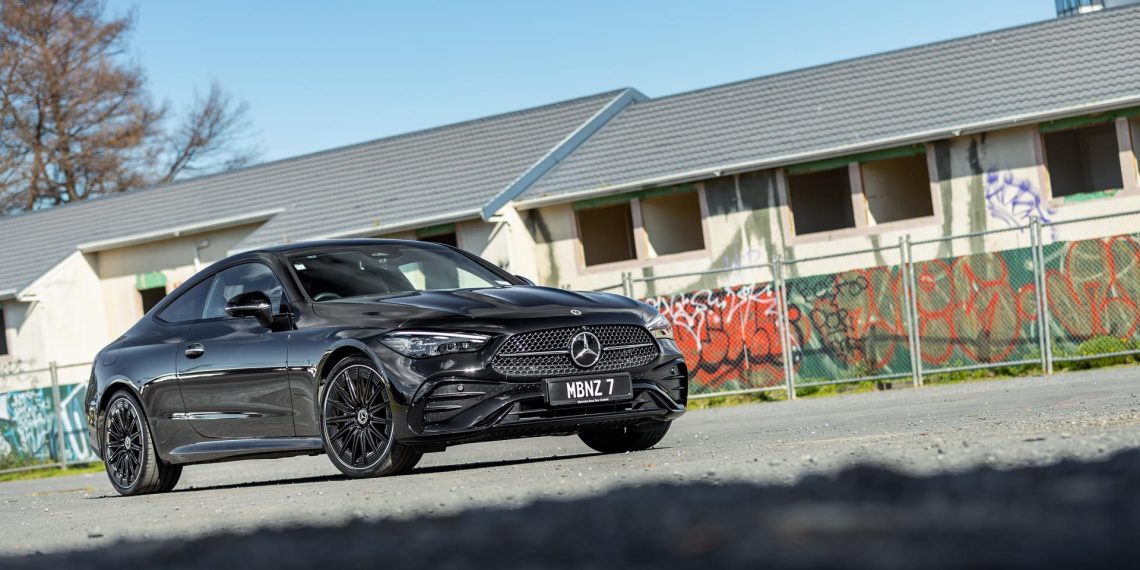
<point x="252" y="448"/>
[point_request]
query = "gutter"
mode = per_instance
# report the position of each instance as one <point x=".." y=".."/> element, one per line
<point x="786" y="160"/>
<point x="374" y="230"/>
<point x="179" y="231"/>
<point x="8" y="294"/>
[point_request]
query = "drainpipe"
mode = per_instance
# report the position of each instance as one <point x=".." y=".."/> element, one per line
<point x="198" y="247"/>
<point x="510" y="240"/>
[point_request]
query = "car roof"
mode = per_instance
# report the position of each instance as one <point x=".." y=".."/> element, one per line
<point x="341" y="243"/>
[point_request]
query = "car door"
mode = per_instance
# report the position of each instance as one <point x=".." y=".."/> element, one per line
<point x="232" y="371"/>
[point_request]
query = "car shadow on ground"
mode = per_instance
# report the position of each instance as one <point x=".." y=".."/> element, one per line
<point x="340" y="478"/>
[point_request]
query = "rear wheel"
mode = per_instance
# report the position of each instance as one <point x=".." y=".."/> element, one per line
<point x="356" y="423"/>
<point x="132" y="463"/>
<point x="633" y="438"/>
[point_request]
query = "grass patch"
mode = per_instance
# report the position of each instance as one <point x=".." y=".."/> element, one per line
<point x="52" y="471"/>
<point x="802" y="391"/>
<point x="736" y="399"/>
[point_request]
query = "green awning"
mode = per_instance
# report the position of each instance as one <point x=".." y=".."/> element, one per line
<point x="152" y="280"/>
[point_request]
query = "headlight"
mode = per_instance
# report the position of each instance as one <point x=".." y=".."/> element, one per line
<point x="424" y="344"/>
<point x="660" y="327"/>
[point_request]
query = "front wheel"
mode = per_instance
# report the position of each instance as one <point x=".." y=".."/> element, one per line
<point x="132" y="463"/>
<point x="633" y="438"/>
<point x="357" y="421"/>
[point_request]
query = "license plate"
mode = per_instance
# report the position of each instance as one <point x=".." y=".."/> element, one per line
<point x="588" y="389"/>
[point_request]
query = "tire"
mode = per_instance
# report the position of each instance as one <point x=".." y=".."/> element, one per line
<point x="357" y="423"/>
<point x="633" y="438"/>
<point x="129" y="456"/>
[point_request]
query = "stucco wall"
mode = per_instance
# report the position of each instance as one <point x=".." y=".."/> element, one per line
<point x="60" y="320"/>
<point x="174" y="258"/>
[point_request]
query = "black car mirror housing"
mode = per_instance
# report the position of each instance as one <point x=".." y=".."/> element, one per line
<point x="254" y="304"/>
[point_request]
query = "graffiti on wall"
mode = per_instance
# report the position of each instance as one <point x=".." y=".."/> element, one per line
<point x="973" y="309"/>
<point x="28" y="424"/>
<point x="1094" y="288"/>
<point x="1014" y="201"/>
<point x="731" y="335"/>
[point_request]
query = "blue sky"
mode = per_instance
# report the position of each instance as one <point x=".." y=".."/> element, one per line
<point x="323" y="74"/>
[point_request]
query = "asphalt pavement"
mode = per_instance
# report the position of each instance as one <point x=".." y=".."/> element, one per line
<point x="1005" y="425"/>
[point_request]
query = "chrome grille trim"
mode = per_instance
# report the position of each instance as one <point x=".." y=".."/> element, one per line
<point x="546" y="353"/>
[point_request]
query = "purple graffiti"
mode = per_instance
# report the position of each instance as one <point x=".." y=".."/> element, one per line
<point x="1014" y="201"/>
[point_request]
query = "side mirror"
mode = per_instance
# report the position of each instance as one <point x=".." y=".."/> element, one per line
<point x="525" y="279"/>
<point x="252" y="304"/>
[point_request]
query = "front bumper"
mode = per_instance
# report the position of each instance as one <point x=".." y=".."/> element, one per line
<point x="457" y="409"/>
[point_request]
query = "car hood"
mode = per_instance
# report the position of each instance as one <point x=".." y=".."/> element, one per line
<point x="492" y="305"/>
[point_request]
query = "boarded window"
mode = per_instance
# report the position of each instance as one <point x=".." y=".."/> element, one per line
<point x="897" y="189"/>
<point x="1083" y="160"/>
<point x="3" y="332"/>
<point x="820" y="201"/>
<point x="151" y="297"/>
<point x="606" y="234"/>
<point x="673" y="223"/>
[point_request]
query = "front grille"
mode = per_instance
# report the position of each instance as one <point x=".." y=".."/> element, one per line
<point x="623" y="347"/>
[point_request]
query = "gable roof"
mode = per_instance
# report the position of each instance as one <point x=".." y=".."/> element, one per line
<point x="1059" y="67"/>
<point x="442" y="174"/>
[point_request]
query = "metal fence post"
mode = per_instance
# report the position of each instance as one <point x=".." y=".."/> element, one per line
<point x="60" y="437"/>
<point x="627" y="284"/>
<point x="908" y="308"/>
<point x="1046" y="343"/>
<point x="912" y="280"/>
<point x="785" y="325"/>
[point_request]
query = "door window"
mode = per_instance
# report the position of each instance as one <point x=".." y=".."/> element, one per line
<point x="188" y="306"/>
<point x="240" y="279"/>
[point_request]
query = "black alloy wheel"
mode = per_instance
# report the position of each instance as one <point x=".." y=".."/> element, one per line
<point x="124" y="443"/>
<point x="357" y="423"/>
<point x="132" y="464"/>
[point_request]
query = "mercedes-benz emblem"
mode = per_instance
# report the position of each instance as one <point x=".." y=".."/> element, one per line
<point x="575" y="312"/>
<point x="585" y="349"/>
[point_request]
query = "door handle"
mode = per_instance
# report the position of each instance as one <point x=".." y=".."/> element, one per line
<point x="195" y="350"/>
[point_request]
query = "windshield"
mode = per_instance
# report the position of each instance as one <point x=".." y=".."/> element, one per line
<point x="388" y="270"/>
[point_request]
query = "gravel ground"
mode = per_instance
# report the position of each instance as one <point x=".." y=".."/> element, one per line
<point x="720" y="455"/>
<point x="1068" y="515"/>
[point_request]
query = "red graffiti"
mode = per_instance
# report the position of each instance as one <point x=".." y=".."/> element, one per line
<point x="1096" y="292"/>
<point x="857" y="317"/>
<point x="730" y="334"/>
<point x="974" y="309"/>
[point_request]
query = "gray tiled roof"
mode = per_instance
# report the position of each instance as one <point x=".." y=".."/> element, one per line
<point x="921" y="93"/>
<point x="446" y="171"/>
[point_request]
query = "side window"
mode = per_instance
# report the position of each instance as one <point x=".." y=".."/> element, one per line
<point x="241" y="279"/>
<point x="188" y="306"/>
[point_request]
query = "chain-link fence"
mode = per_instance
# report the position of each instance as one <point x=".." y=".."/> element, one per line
<point x="44" y="422"/>
<point x="1092" y="290"/>
<point x="850" y="325"/>
<point x="909" y="310"/>
<point x="731" y="334"/>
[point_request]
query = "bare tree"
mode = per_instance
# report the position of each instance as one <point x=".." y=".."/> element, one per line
<point x="77" y="120"/>
<point x="212" y="136"/>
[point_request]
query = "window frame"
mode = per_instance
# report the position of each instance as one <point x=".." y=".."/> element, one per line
<point x="1126" y="155"/>
<point x="641" y="238"/>
<point x="196" y="282"/>
<point x="860" y="211"/>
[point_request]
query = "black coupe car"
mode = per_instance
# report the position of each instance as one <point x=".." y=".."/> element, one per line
<point x="373" y="352"/>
